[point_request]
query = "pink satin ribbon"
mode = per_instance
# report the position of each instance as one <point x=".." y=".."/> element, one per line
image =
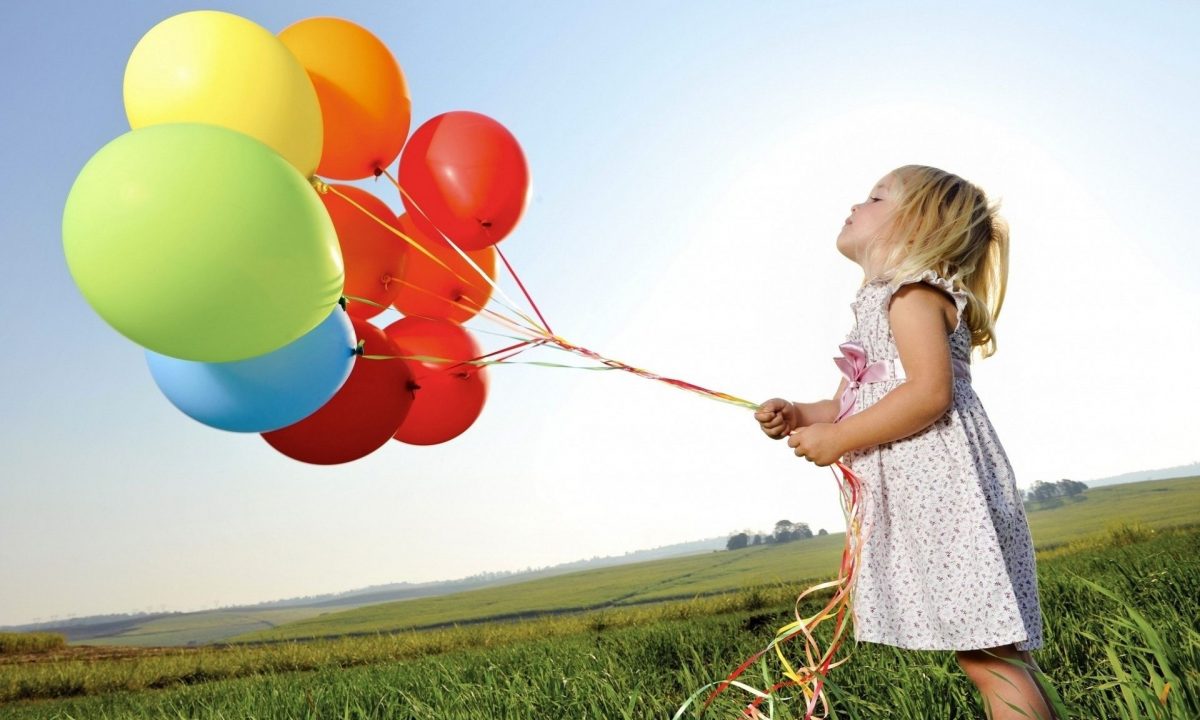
<point x="853" y="364"/>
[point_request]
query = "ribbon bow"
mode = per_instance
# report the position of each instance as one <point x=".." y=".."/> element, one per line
<point x="853" y="364"/>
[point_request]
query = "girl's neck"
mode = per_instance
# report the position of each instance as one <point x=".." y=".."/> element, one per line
<point x="872" y="264"/>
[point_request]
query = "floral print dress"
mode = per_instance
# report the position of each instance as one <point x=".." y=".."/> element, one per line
<point x="947" y="563"/>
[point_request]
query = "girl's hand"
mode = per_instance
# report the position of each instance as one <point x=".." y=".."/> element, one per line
<point x="819" y="443"/>
<point x="777" y="417"/>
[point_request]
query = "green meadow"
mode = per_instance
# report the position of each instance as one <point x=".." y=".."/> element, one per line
<point x="1156" y="504"/>
<point x="1119" y="573"/>
<point x="205" y="627"/>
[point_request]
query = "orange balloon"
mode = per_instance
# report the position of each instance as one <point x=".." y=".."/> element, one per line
<point x="364" y="98"/>
<point x="429" y="290"/>
<point x="447" y="399"/>
<point x="372" y="254"/>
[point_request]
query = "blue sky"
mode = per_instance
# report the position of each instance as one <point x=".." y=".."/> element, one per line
<point x="692" y="164"/>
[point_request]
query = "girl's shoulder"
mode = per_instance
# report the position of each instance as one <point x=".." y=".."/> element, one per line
<point x="958" y="295"/>
<point x="874" y="298"/>
<point x="882" y="289"/>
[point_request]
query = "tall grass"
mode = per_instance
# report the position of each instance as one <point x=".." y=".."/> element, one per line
<point x="142" y="671"/>
<point x="1156" y="678"/>
<point x="1121" y="625"/>
<point x="31" y="642"/>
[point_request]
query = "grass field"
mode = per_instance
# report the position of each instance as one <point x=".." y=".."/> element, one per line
<point x="1161" y="503"/>
<point x="1108" y="657"/>
<point x="206" y="627"/>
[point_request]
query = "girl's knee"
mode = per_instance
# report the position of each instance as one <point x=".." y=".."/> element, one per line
<point x="982" y="661"/>
<point x="971" y="660"/>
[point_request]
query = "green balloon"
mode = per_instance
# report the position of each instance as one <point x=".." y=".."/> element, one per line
<point x="201" y="243"/>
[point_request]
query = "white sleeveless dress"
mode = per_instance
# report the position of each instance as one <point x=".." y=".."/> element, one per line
<point x="948" y="562"/>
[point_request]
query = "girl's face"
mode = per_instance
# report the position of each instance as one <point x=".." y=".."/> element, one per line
<point x="864" y="234"/>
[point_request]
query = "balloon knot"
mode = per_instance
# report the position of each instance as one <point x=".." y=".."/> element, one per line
<point x="360" y="348"/>
<point x="342" y="302"/>
<point x="378" y="172"/>
<point x="412" y="386"/>
<point x="319" y="185"/>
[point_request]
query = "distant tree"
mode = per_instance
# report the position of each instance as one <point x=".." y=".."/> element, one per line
<point x="801" y="531"/>
<point x="1045" y="494"/>
<point x="821" y="532"/>
<point x="1043" y="491"/>
<point x="737" y="542"/>
<point x="1070" y="488"/>
<point x="758" y="540"/>
<point x="783" y="531"/>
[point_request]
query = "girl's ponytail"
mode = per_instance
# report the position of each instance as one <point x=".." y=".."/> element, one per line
<point x="945" y="224"/>
<point x="986" y="285"/>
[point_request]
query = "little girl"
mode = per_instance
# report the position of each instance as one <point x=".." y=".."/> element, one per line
<point x="948" y="563"/>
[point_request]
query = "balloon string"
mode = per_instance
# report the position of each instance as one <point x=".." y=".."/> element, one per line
<point x="461" y="253"/>
<point x="557" y="340"/>
<point x="485" y="312"/>
<point x="511" y="350"/>
<point x="480" y="361"/>
<point x="497" y="361"/>
<point x="482" y="311"/>
<point x="809" y="676"/>
<point x="682" y="384"/>
<point x="523" y="290"/>
<point x="323" y="188"/>
<point x="364" y="301"/>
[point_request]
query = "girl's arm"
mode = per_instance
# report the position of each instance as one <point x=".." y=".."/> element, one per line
<point x="821" y="411"/>
<point x="778" y="417"/>
<point x="918" y="316"/>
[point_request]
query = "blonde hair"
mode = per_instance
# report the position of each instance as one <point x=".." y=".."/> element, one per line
<point x="945" y="224"/>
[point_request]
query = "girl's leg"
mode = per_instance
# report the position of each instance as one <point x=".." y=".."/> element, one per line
<point x="1009" y="691"/>
<point x="1027" y="658"/>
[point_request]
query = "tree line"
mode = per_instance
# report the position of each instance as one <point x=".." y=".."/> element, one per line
<point x="1044" y="494"/>
<point x="785" y="531"/>
<point x="1051" y="494"/>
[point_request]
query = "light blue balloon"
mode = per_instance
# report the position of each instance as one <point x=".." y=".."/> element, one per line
<point x="262" y="393"/>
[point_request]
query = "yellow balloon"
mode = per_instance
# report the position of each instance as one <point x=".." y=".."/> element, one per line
<point x="221" y="69"/>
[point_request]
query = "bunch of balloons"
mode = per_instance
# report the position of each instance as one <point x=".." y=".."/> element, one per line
<point x="210" y="235"/>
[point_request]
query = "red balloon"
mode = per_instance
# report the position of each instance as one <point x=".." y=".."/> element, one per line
<point x="373" y="254"/>
<point x="467" y="175"/>
<point x="362" y="416"/>
<point x="429" y="290"/>
<point x="447" y="398"/>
